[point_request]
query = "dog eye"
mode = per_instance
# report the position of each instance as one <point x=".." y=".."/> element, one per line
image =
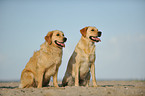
<point x="62" y="34"/>
<point x="57" y="34"/>
<point x="92" y="30"/>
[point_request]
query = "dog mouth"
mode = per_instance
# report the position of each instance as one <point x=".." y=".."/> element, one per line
<point x="60" y="44"/>
<point x="95" y="38"/>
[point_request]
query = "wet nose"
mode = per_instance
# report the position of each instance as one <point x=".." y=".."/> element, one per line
<point x="64" y="39"/>
<point x="99" y="34"/>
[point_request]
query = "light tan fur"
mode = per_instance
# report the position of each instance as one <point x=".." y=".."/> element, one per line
<point x="44" y="63"/>
<point x="82" y="60"/>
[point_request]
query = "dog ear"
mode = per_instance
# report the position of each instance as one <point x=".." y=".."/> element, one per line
<point x="84" y="31"/>
<point x="48" y="38"/>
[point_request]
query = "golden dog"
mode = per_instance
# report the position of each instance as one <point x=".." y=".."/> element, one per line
<point x="45" y="62"/>
<point x="82" y="59"/>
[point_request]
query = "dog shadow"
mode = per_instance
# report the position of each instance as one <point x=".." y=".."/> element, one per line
<point x="8" y="87"/>
<point x="60" y="85"/>
<point x="116" y="85"/>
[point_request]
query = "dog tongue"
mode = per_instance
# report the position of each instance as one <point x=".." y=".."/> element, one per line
<point x="62" y="44"/>
<point x="97" y="39"/>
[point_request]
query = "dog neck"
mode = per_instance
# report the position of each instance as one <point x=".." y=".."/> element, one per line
<point x="86" y="45"/>
<point x="86" y="42"/>
<point x="47" y="48"/>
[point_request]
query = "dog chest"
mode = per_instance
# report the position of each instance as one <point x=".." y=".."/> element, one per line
<point x="49" y="60"/>
<point x="50" y="72"/>
<point x="87" y="59"/>
<point x="56" y="60"/>
<point x="49" y="63"/>
<point x="86" y="62"/>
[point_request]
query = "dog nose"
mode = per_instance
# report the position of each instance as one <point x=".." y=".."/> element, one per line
<point x="64" y="39"/>
<point x="99" y="34"/>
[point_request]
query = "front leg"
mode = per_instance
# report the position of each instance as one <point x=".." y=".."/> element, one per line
<point x="40" y="77"/>
<point x="55" y="79"/>
<point x="93" y="75"/>
<point x="77" y="75"/>
<point x="77" y="71"/>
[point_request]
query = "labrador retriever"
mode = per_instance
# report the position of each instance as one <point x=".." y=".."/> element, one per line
<point x="83" y="59"/>
<point x="45" y="62"/>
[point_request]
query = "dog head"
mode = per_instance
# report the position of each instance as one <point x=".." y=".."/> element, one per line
<point x="56" y="38"/>
<point x="91" y="33"/>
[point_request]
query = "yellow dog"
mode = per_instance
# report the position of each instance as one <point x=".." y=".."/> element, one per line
<point x="82" y="59"/>
<point x="45" y="62"/>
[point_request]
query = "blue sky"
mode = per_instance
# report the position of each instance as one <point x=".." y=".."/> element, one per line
<point x="120" y="55"/>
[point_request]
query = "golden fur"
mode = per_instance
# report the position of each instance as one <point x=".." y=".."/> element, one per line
<point x="82" y="59"/>
<point x="45" y="62"/>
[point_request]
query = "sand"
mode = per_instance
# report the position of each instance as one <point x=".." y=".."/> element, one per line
<point x="105" y="88"/>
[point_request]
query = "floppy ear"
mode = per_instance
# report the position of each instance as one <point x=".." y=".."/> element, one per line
<point x="84" y="31"/>
<point x="48" y="38"/>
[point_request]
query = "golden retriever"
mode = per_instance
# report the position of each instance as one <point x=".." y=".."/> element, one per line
<point x="82" y="59"/>
<point x="45" y="62"/>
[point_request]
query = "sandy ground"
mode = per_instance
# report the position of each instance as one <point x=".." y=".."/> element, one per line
<point x="105" y="88"/>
